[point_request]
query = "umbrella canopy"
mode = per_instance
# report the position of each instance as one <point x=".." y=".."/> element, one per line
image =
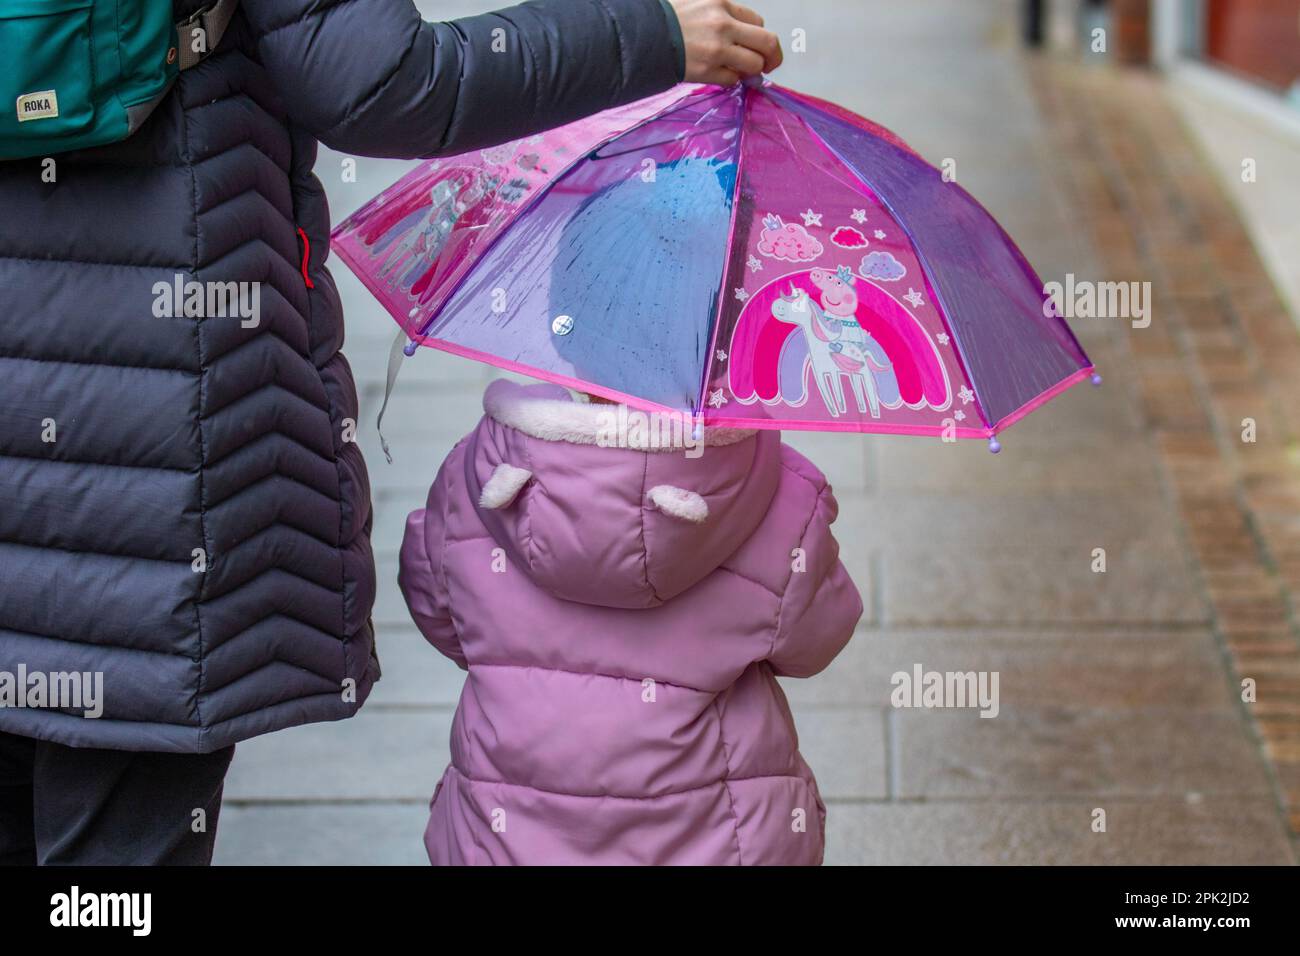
<point x="752" y="256"/>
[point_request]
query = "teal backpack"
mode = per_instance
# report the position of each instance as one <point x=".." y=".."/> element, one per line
<point x="81" y="73"/>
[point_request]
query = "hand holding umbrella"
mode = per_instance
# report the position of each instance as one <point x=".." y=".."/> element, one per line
<point x="725" y="42"/>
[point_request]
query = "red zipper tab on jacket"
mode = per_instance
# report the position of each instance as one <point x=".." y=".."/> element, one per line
<point x="306" y="255"/>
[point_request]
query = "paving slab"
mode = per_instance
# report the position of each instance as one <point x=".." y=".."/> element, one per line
<point x="1039" y="585"/>
<point x="845" y="749"/>
<point x="1011" y="520"/>
<point x="1090" y="668"/>
<point x="378" y="755"/>
<point x="1038" y="458"/>
<point x="366" y="834"/>
<point x="415" y="675"/>
<point x="1062" y="751"/>
<point x="1167" y="831"/>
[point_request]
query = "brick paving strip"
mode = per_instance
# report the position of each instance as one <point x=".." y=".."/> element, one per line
<point x="1221" y="348"/>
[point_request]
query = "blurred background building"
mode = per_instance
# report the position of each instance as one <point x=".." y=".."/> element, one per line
<point x="1233" y="69"/>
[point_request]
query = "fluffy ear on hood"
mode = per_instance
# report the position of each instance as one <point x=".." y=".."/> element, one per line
<point x="502" y="488"/>
<point x="679" y="503"/>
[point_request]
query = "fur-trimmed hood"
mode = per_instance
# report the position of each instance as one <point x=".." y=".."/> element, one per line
<point x="593" y="522"/>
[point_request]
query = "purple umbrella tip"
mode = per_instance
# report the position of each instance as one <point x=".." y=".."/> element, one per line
<point x="409" y="348"/>
<point x="1096" y="379"/>
<point x="995" y="446"/>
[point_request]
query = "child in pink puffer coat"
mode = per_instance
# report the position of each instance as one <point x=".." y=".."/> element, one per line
<point x="623" y="615"/>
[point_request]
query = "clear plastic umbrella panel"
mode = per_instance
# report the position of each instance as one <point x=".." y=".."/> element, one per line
<point x="752" y="256"/>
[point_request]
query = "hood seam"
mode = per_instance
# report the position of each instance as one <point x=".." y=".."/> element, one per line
<point x="645" y="545"/>
<point x="785" y="591"/>
<point x="526" y="514"/>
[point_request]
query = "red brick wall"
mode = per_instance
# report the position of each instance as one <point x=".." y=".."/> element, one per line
<point x="1132" y="19"/>
<point x="1259" y="38"/>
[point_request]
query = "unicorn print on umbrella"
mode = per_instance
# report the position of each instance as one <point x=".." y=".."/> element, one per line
<point x="852" y="349"/>
<point x="845" y="327"/>
<point x="837" y="345"/>
<point x="422" y="243"/>
<point x="833" y="348"/>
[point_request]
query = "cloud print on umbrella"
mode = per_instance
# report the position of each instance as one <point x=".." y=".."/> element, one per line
<point x="788" y="240"/>
<point x="882" y="266"/>
<point x="846" y="237"/>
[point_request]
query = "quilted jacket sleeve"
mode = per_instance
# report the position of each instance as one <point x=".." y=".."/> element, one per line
<point x="371" y="77"/>
<point x="821" y="606"/>
<point x="420" y="574"/>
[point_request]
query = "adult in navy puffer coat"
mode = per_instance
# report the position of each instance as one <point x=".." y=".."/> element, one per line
<point x="175" y="434"/>
<point x="197" y="530"/>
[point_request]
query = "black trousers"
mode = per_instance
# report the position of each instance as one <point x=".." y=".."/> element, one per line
<point x="75" y="806"/>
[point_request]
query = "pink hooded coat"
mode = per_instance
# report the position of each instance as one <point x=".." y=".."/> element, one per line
<point x="623" y="614"/>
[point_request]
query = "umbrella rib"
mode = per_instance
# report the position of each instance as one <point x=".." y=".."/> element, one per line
<point x="643" y="146"/>
<point x="727" y="254"/>
<point x="926" y="268"/>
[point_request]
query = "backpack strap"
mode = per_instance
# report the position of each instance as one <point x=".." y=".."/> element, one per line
<point x="213" y="21"/>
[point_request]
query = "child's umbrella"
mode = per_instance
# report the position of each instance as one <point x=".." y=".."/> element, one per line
<point x="753" y="257"/>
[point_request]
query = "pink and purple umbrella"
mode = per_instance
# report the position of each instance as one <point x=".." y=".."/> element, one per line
<point x="751" y="256"/>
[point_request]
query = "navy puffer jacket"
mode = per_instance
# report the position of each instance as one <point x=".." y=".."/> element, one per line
<point x="180" y="508"/>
